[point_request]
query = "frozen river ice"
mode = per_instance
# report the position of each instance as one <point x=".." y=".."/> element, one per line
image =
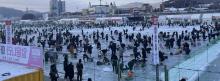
<point x="199" y="59"/>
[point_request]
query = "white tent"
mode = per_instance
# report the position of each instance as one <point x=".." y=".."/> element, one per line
<point x="182" y="17"/>
<point x="73" y="20"/>
<point x="118" y="20"/>
<point x="208" y="17"/>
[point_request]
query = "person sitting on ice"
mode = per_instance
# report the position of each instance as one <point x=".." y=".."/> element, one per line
<point x="148" y="50"/>
<point x="178" y="51"/>
<point x="162" y="56"/>
<point x="131" y="64"/>
<point x="85" y="57"/>
<point x="104" y="52"/>
<point x="106" y="60"/>
<point x="186" y="48"/>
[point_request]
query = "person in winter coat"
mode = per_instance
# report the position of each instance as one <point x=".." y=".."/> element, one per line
<point x="144" y="55"/>
<point x="46" y="56"/>
<point x="186" y="48"/>
<point x="179" y="43"/>
<point x="131" y="64"/>
<point x="90" y="50"/>
<point x="114" y="60"/>
<point x="113" y="48"/>
<point x="136" y="53"/>
<point x="79" y="67"/>
<point x="65" y="66"/>
<point x="53" y="73"/>
<point x="106" y="37"/>
<point x="70" y="71"/>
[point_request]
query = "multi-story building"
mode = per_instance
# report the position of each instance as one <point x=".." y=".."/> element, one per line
<point x="137" y="9"/>
<point x="99" y="9"/>
<point x="61" y="7"/>
<point x="56" y="7"/>
<point x="54" y="11"/>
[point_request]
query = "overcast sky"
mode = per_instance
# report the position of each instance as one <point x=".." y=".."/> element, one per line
<point x="71" y="5"/>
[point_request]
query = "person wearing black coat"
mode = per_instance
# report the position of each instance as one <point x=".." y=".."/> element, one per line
<point x="131" y="64"/>
<point x="179" y="42"/>
<point x="102" y="34"/>
<point x="186" y="48"/>
<point x="70" y="71"/>
<point x="98" y="46"/>
<point x="172" y="42"/>
<point x="114" y="60"/>
<point x="120" y="37"/>
<point x="113" y="48"/>
<point x="65" y="66"/>
<point x="106" y="37"/>
<point x="144" y="55"/>
<point x="90" y="49"/>
<point x="53" y="73"/>
<point x="136" y="53"/>
<point x="85" y="47"/>
<point x="162" y="56"/>
<point x="79" y="68"/>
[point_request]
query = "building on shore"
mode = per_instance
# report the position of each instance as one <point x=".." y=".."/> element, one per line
<point x="100" y="9"/>
<point x="57" y="8"/>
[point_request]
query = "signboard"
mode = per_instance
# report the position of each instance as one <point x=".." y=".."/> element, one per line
<point x="8" y="31"/>
<point x="155" y="55"/>
<point x="24" y="55"/>
<point x="36" y="57"/>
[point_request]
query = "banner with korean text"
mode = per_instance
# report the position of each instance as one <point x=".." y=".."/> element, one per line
<point x="155" y="54"/>
<point x="8" y="30"/>
<point x="24" y="55"/>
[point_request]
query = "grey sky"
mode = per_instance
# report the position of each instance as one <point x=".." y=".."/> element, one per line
<point x="71" y="5"/>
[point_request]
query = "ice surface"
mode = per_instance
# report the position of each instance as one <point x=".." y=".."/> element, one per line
<point x="188" y="69"/>
<point x="104" y="72"/>
<point x="107" y="69"/>
<point x="14" y="70"/>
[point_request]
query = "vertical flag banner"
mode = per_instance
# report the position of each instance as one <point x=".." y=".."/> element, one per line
<point x="155" y="54"/>
<point x="8" y="31"/>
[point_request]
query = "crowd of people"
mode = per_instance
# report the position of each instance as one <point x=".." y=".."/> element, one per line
<point x="111" y="44"/>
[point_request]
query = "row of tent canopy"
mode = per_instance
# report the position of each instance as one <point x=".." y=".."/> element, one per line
<point x="97" y="20"/>
<point x="207" y="17"/>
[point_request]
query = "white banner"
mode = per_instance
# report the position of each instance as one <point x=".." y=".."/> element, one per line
<point x="24" y="55"/>
<point x="155" y="54"/>
<point x="15" y="54"/>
